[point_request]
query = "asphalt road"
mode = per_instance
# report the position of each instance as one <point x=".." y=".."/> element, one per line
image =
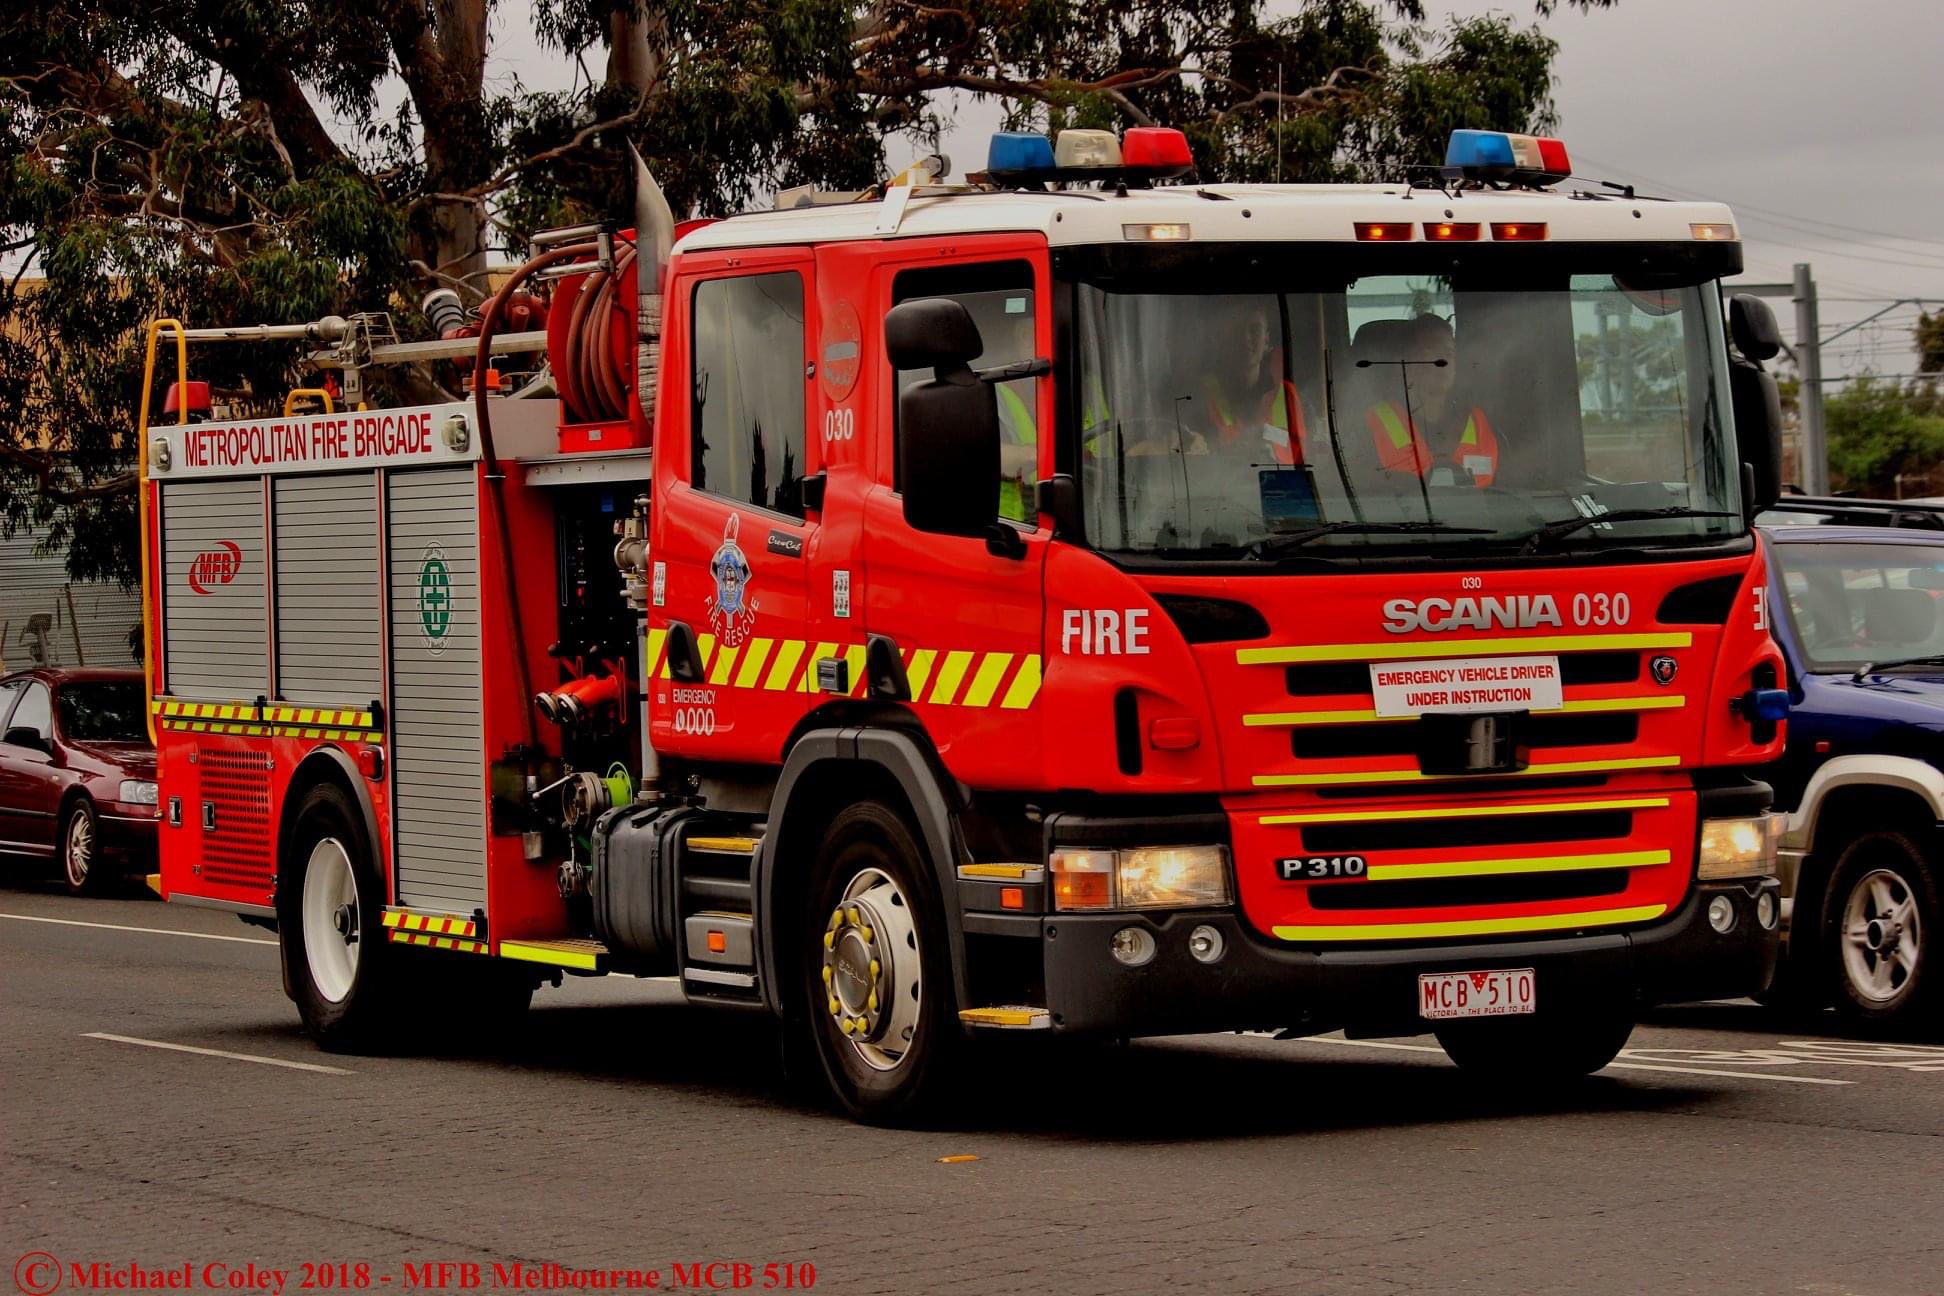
<point x="1729" y="1152"/>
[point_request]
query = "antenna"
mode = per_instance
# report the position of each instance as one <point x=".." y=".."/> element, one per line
<point x="1279" y="104"/>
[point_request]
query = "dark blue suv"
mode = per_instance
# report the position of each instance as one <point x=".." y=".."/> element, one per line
<point x="1857" y="599"/>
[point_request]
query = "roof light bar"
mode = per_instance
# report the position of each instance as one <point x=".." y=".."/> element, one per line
<point x="1498" y="155"/>
<point x="1143" y="154"/>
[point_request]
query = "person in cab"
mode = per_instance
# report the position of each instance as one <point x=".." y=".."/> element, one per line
<point x="1246" y="402"/>
<point x="1418" y="427"/>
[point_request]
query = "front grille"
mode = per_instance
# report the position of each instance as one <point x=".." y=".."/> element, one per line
<point x="237" y="851"/>
<point x="1437" y="834"/>
<point x="1434" y="893"/>
<point x="1405" y="738"/>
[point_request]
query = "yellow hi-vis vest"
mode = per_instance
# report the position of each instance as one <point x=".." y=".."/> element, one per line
<point x="1401" y="448"/>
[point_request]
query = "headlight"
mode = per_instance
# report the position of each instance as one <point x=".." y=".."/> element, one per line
<point x="1734" y="848"/>
<point x="136" y="792"/>
<point x="1147" y="877"/>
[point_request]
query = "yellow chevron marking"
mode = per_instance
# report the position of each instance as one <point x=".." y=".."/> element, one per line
<point x="918" y="673"/>
<point x="1457" y="648"/>
<point x="705" y="646"/>
<point x="307" y="715"/>
<point x="751" y="674"/>
<point x="783" y="670"/>
<point x="652" y="651"/>
<point x="949" y="676"/>
<point x="1530" y="864"/>
<point x="1416" y="776"/>
<point x="1472" y="926"/>
<point x="1461" y="812"/>
<point x="1025" y="685"/>
<point x="725" y="661"/>
<point x="985" y="683"/>
<point x="854" y="659"/>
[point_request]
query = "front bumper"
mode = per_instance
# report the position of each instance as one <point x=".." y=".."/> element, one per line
<point x="129" y="837"/>
<point x="1259" y="984"/>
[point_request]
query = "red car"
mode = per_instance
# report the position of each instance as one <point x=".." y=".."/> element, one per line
<point x="77" y="772"/>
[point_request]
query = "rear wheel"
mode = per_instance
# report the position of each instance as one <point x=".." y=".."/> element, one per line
<point x="1880" y="920"/>
<point x="1551" y="1047"/>
<point x="338" y="966"/>
<point x="82" y="868"/>
<point x="876" y="977"/>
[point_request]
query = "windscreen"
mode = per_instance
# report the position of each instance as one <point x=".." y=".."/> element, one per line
<point x="1862" y="604"/>
<point x="106" y="711"/>
<point x="1451" y="409"/>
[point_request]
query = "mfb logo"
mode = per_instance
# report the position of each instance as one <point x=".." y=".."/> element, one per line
<point x="215" y="567"/>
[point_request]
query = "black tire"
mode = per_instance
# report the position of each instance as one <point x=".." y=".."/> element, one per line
<point x="1541" y="1048"/>
<point x="88" y="875"/>
<point x="358" y="1013"/>
<point x="1883" y="975"/>
<point x="870" y="841"/>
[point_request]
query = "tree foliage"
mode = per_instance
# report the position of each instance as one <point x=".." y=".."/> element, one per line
<point x="230" y="161"/>
<point x="1879" y="431"/>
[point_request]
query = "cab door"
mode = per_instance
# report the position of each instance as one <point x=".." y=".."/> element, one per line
<point x="29" y="788"/>
<point x="966" y="614"/>
<point x="727" y="647"/>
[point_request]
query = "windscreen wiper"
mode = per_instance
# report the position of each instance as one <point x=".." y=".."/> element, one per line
<point x="1877" y="668"/>
<point x="1271" y="547"/>
<point x="1563" y="527"/>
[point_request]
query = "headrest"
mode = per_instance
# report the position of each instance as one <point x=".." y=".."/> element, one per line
<point x="1899" y="616"/>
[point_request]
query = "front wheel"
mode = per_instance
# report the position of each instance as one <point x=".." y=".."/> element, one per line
<point x="81" y="866"/>
<point x="340" y="969"/>
<point x="1881" y="912"/>
<point x="877" y="982"/>
<point x="1525" y="1049"/>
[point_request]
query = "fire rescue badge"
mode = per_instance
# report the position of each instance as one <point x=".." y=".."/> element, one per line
<point x="732" y="613"/>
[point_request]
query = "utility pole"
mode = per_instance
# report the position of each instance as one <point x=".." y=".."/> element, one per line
<point x="1807" y="353"/>
<point x="1815" y="448"/>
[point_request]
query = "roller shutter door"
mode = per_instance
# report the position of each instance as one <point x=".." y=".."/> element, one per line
<point x="328" y="619"/>
<point x="216" y="628"/>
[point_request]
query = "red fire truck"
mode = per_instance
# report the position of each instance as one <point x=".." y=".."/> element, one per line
<point x="1076" y="600"/>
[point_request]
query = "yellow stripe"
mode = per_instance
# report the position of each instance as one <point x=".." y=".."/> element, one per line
<point x="705" y="646"/>
<point x="724" y="663"/>
<point x="751" y="673"/>
<point x="651" y="654"/>
<point x="949" y="676"/>
<point x="920" y="671"/>
<point x="1001" y="1016"/>
<point x="985" y="683"/>
<point x="307" y="715"/>
<point x="1457" y="648"/>
<point x="1575" y="706"/>
<point x="1416" y="776"/>
<point x="1472" y="926"/>
<point x="586" y="960"/>
<point x="725" y="845"/>
<point x="1531" y="864"/>
<point x="1009" y="872"/>
<point x="854" y="659"/>
<point x="1460" y="812"/>
<point x="783" y="670"/>
<point x="1025" y="685"/>
<point x="808" y="683"/>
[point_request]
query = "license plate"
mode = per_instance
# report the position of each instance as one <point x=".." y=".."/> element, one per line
<point x="1500" y="993"/>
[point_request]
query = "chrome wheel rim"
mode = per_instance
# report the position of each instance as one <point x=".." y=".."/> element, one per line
<point x="331" y="926"/>
<point x="1882" y="937"/>
<point x="79" y="852"/>
<point x="873" y="975"/>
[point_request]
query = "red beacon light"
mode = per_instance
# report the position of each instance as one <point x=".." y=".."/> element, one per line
<point x="1156" y="150"/>
<point x="191" y="398"/>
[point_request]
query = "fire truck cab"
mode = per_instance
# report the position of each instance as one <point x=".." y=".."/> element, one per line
<point x="1070" y="601"/>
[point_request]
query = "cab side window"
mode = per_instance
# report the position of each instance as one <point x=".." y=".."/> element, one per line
<point x="747" y="392"/>
<point x="34" y="712"/>
<point x="1002" y="301"/>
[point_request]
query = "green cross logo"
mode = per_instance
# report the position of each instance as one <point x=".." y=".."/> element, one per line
<point x="435" y="597"/>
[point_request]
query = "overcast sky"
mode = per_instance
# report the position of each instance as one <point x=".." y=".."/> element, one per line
<point x="1818" y="121"/>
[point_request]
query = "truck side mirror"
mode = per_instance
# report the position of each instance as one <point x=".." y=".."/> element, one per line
<point x="1758" y="430"/>
<point x="1752" y="325"/>
<point x="948" y="426"/>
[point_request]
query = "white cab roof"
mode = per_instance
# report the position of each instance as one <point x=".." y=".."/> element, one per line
<point x="1235" y="214"/>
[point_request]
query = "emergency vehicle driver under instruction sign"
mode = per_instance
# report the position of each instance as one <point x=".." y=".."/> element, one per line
<point x="1422" y="431"/>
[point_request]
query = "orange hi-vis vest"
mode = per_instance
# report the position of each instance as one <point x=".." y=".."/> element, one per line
<point x="1281" y="425"/>
<point x="1402" y="448"/>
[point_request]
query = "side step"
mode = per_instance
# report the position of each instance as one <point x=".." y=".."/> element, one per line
<point x="1007" y="1018"/>
<point x="576" y="955"/>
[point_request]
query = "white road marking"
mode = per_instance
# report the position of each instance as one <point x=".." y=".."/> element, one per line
<point x="219" y="1053"/>
<point x="1611" y="1066"/>
<point x="153" y="931"/>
